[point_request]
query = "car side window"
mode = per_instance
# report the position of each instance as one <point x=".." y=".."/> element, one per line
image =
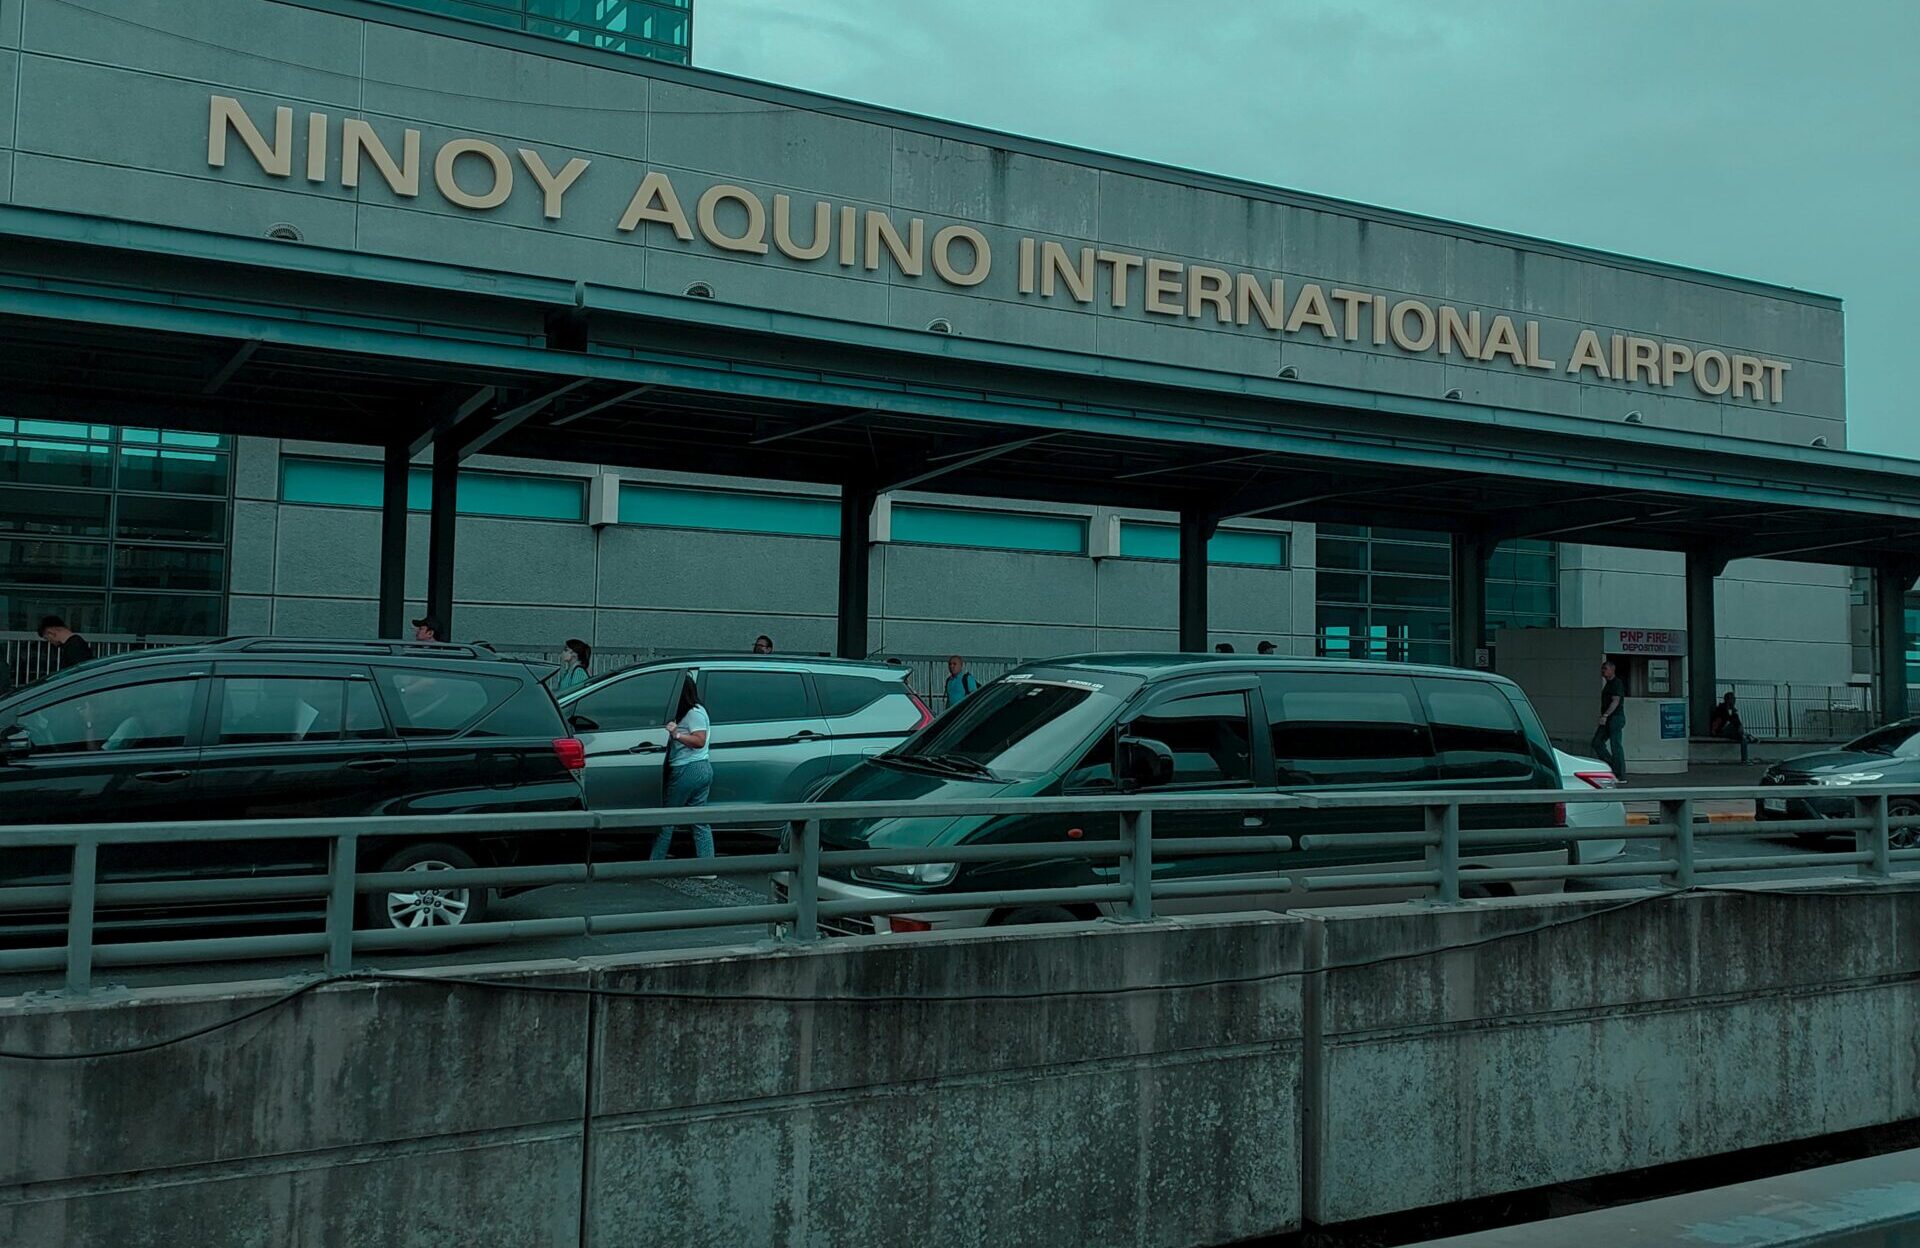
<point x="279" y="710"/>
<point x="1209" y="735"/>
<point x="844" y="695"/>
<point x="746" y="697"/>
<point x="440" y="704"/>
<point x="1476" y="734"/>
<point x="1347" y="728"/>
<point x="631" y="702"/>
<point x="151" y="716"/>
<point x="364" y="721"/>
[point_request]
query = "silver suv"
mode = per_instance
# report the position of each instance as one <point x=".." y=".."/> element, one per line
<point x="780" y="726"/>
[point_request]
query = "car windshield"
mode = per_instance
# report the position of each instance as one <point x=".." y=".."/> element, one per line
<point x="1897" y="740"/>
<point x="1020" y="726"/>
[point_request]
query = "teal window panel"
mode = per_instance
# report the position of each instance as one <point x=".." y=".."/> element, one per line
<point x="672" y="507"/>
<point x="1242" y="547"/>
<point x="350" y="483"/>
<point x="990" y="530"/>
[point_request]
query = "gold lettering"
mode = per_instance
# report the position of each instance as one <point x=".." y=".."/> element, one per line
<point x="1249" y="298"/>
<point x="553" y="185"/>
<point x="1054" y="262"/>
<point x="224" y="112"/>
<point x="1119" y="262"/>
<point x="1210" y="286"/>
<point x="357" y="137"/>
<point x="1454" y="331"/>
<point x="1746" y="372"/>
<point x="1311" y="309"/>
<point x="1777" y="371"/>
<point x="1620" y="358"/>
<point x="1503" y="339"/>
<point x="1397" y="324"/>
<point x="1643" y="353"/>
<point x="982" y="257"/>
<point x="1379" y="320"/>
<point x="849" y="236"/>
<point x="654" y="200"/>
<point x="783" y="229"/>
<point x="1354" y="301"/>
<point x="753" y="239"/>
<point x="1722" y="372"/>
<point x="908" y="254"/>
<point x="317" y="147"/>
<point x="1587" y="354"/>
<point x="1163" y="282"/>
<point x="1534" y="358"/>
<point x="1026" y="266"/>
<point x="1675" y="359"/>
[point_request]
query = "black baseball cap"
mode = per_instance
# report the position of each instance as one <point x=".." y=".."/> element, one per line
<point x="429" y="621"/>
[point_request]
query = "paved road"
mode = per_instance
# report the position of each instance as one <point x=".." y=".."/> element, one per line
<point x="652" y="896"/>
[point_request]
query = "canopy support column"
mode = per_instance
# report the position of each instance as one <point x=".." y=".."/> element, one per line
<point x="1891" y="581"/>
<point x="1703" y="672"/>
<point x="393" y="542"/>
<point x="441" y="522"/>
<point x="856" y="547"/>
<point x="1471" y="554"/>
<point x="1196" y="530"/>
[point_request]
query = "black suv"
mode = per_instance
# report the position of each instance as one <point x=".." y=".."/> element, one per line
<point x="266" y="728"/>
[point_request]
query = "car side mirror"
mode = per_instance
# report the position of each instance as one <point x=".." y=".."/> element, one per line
<point x="15" y="744"/>
<point x="1144" y="763"/>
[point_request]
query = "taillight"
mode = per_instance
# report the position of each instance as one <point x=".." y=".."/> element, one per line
<point x="926" y="712"/>
<point x="1599" y="779"/>
<point x="572" y="754"/>
<point x="1559" y="814"/>
<point x="897" y="924"/>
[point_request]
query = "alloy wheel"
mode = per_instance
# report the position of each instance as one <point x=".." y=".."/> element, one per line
<point x="428" y="907"/>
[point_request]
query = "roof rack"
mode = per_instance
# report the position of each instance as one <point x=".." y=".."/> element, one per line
<point x="353" y="645"/>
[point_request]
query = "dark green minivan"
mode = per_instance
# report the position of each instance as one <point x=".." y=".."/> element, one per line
<point x="1216" y="724"/>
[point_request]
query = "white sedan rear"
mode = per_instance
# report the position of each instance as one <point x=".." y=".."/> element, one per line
<point x="1580" y="775"/>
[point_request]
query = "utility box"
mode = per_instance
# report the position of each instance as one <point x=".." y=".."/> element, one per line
<point x="1560" y="670"/>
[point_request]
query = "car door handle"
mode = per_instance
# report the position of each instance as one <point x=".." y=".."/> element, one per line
<point x="808" y="734"/>
<point x="1253" y="821"/>
<point x="646" y="748"/>
<point x="161" y="777"/>
<point x="373" y="764"/>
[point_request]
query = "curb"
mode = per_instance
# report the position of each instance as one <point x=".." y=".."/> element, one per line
<point x="1637" y="819"/>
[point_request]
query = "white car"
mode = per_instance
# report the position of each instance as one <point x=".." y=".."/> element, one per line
<point x="1578" y="774"/>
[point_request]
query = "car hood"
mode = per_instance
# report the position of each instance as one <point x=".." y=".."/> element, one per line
<point x="1827" y="761"/>
<point x="868" y="781"/>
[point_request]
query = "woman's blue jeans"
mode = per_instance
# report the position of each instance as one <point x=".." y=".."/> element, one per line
<point x="687" y="785"/>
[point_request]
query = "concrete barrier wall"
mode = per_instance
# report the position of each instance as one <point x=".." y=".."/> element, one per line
<point x="1679" y="1028"/>
<point x="1039" y="1099"/>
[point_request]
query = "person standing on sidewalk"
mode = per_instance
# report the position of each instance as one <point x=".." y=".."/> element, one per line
<point x="960" y="681"/>
<point x="689" y="773"/>
<point x="1609" y="737"/>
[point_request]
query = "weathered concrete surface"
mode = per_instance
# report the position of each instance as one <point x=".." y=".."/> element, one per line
<point x="1677" y="1028"/>
<point x="1164" y="1116"/>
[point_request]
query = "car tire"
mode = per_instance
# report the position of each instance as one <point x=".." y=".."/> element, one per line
<point x="453" y="907"/>
<point x="1035" y="914"/>
<point x="1902" y="808"/>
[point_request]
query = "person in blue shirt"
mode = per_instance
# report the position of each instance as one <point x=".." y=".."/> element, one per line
<point x="689" y="772"/>
<point x="574" y="657"/>
<point x="960" y="681"/>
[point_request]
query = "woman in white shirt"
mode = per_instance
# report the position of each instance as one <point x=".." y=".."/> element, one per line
<point x="689" y="773"/>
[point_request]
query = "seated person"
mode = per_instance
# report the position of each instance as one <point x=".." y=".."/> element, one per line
<point x="1725" y="724"/>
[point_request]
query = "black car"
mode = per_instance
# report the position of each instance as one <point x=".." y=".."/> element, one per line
<point x="1889" y="755"/>
<point x="264" y="728"/>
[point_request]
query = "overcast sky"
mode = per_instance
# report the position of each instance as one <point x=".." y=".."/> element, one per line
<point x="1774" y="139"/>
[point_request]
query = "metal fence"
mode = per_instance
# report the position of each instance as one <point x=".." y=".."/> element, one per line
<point x="1434" y="865"/>
<point x="27" y="659"/>
<point x="1775" y="711"/>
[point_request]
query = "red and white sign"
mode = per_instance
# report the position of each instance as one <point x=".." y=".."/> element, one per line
<point x="1646" y="641"/>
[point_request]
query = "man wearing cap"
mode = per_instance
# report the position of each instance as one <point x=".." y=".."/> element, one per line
<point x="427" y="628"/>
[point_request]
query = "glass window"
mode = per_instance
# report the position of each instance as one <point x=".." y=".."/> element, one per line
<point x="279" y="710"/>
<point x="166" y="615"/>
<point x="39" y="462"/>
<point x="990" y="530"/>
<point x="440" y="704"/>
<point x="60" y="513"/>
<point x="1476" y="733"/>
<point x="844" y="695"/>
<point x="1246" y="547"/>
<point x="27" y="561"/>
<point x="22" y="609"/>
<point x="519" y="497"/>
<point x="1341" y="587"/>
<point x="1208" y="734"/>
<point x="1409" y="591"/>
<point x="132" y="717"/>
<point x="743" y="697"/>
<point x="172" y="471"/>
<point x="1350" y="556"/>
<point x="159" y="567"/>
<point x="1022" y="725"/>
<point x="1346" y="728"/>
<point x="361" y="483"/>
<point x="1418" y="560"/>
<point x="334" y="482"/>
<point x="624" y="703"/>
<point x="141" y="518"/>
<point x="796" y="515"/>
<point x="364" y="721"/>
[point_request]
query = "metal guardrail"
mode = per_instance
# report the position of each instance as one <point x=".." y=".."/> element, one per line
<point x="1438" y="867"/>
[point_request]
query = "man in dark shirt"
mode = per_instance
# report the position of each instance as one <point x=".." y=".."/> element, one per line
<point x="73" y="647"/>
<point x="1607" y="738"/>
<point x="1725" y="724"/>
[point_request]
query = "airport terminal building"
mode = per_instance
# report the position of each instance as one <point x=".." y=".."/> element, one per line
<point x="317" y="314"/>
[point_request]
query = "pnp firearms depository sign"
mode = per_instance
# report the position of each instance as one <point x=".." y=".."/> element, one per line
<point x="479" y="176"/>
